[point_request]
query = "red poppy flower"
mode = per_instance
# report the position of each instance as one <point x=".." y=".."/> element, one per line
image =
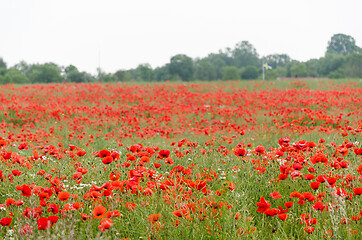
<point x="240" y="152"/>
<point x="284" y="141"/>
<point x="309" y="230"/>
<point x="309" y="176"/>
<point x="84" y="216"/>
<point x="164" y="153"/>
<point x="45" y="223"/>
<point x="275" y="195"/>
<point x="25" y="190"/>
<point x="308" y="196"/>
<point x="282" y="176"/>
<point x="114" y="213"/>
<point x="358" y="151"/>
<point x="2" y="143"/>
<point x="16" y="172"/>
<point x="288" y="204"/>
<point x="152" y="218"/>
<point x="107" y="160"/>
<point x="263" y="205"/>
<point x="157" y="165"/>
<point x="53" y="208"/>
<point x="181" y="213"/>
<point x="169" y="161"/>
<point x="6" y="221"/>
<point x="77" y="205"/>
<point x="331" y="180"/>
<point x="321" y="178"/>
<point x="5" y="155"/>
<point x="81" y="153"/>
<point x="297" y="166"/>
<point x="260" y="149"/>
<point x="99" y="211"/>
<point x="26" y="230"/>
<point x="271" y="212"/>
<point x="283" y="216"/>
<point x="63" y="196"/>
<point x="53" y="219"/>
<point x="199" y="184"/>
<point x="104" y="153"/>
<point x="9" y="201"/>
<point x="314" y="185"/>
<point x="106" y="223"/>
<point x="131" y="206"/>
<point x="318" y="206"/>
<point x="357" y="191"/>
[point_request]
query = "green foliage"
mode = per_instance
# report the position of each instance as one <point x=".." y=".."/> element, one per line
<point x="299" y="70"/>
<point x="342" y="59"/>
<point x="312" y="68"/>
<point x="162" y="73"/>
<point x="276" y="73"/>
<point x="353" y="66"/>
<point x="204" y="70"/>
<point x="250" y="72"/>
<point x="144" y="72"/>
<point x="45" y="73"/>
<point x="219" y="61"/>
<point x="73" y="75"/>
<point x="182" y="66"/>
<point x="13" y="75"/>
<point x="245" y="54"/>
<point x="105" y="77"/>
<point x="277" y="60"/>
<point x="230" y="73"/>
<point x="123" y="76"/>
<point x="342" y="44"/>
<point x="2" y="63"/>
<point x="339" y="73"/>
<point x="330" y="63"/>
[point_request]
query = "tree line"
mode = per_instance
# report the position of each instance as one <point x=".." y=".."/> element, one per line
<point x="343" y="59"/>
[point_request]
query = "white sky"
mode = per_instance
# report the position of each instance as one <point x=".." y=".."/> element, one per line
<point x="127" y="33"/>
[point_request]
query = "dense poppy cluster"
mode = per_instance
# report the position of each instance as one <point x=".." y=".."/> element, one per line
<point x="167" y="160"/>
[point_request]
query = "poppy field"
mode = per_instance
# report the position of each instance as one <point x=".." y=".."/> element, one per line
<point x="222" y="160"/>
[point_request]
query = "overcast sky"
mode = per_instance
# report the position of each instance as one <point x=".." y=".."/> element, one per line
<point x="120" y="34"/>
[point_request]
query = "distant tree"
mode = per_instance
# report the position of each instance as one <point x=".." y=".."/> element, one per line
<point x="144" y="72"/>
<point x="250" y="72"/>
<point x="2" y="63"/>
<point x="312" y="67"/>
<point x="105" y="77"/>
<point x="204" y="70"/>
<point x="162" y="73"/>
<point x="353" y="66"/>
<point x="70" y="68"/>
<point x="277" y="60"/>
<point x="182" y="66"/>
<point x="330" y="63"/>
<point x="13" y="75"/>
<point x="3" y="71"/>
<point x="299" y="70"/>
<point x="342" y="44"/>
<point x="79" y="77"/>
<point x="339" y="73"/>
<point x="276" y="73"/>
<point x="218" y="62"/>
<point x="230" y="73"/>
<point x="245" y="54"/>
<point x="123" y="76"/>
<point x="45" y="73"/>
<point x="24" y="68"/>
